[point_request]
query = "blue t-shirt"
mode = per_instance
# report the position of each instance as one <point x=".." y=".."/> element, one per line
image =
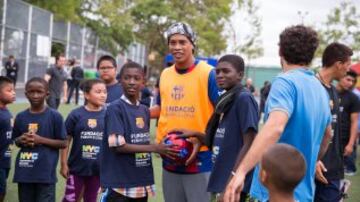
<point x="86" y="128"/>
<point x="299" y="94"/>
<point x="114" y="92"/>
<point x="38" y="164"/>
<point x="5" y="138"/>
<point x="228" y="141"/>
<point x="121" y="170"/>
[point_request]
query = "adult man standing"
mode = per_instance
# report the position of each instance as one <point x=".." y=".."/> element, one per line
<point x="349" y="109"/>
<point x="12" y="68"/>
<point x="77" y="75"/>
<point x="56" y="77"/>
<point x="336" y="61"/>
<point x="188" y="92"/>
<point x="296" y="113"/>
<point x="249" y="85"/>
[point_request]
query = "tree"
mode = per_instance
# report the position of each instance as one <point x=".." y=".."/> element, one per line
<point x="111" y="20"/>
<point x="63" y="10"/>
<point x="119" y="23"/>
<point x="102" y="16"/>
<point x="342" y="25"/>
<point x="250" y="44"/>
<point x="207" y="17"/>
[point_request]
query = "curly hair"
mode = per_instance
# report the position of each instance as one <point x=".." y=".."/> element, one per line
<point x="298" y="44"/>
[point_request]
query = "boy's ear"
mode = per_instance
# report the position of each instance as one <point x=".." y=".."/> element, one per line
<point x="263" y="176"/>
<point x="240" y="76"/>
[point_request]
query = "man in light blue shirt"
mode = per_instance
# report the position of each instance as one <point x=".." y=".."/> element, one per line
<point x="297" y="113"/>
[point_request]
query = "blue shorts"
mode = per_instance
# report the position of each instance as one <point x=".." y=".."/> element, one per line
<point x="328" y="192"/>
<point x="4" y="173"/>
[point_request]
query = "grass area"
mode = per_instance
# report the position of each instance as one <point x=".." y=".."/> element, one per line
<point x="354" y="193"/>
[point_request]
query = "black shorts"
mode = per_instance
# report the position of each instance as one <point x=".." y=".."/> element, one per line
<point x="34" y="192"/>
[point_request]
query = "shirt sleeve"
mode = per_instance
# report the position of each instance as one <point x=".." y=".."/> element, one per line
<point x="158" y="99"/>
<point x="213" y="90"/>
<point x="355" y="103"/>
<point x="70" y="124"/>
<point x="16" y="131"/>
<point x="248" y="112"/>
<point x="114" y="127"/>
<point x="49" y="71"/>
<point x="281" y="97"/>
<point x="59" y="127"/>
<point x="147" y="121"/>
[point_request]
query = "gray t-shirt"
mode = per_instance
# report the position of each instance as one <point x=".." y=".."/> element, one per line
<point x="56" y="82"/>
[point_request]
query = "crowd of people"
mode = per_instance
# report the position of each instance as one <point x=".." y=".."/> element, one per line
<point x="301" y="152"/>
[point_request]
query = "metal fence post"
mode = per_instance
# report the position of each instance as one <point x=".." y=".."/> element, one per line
<point x="3" y="33"/>
<point x="96" y="50"/>
<point x="82" y="46"/>
<point x="68" y="40"/>
<point x="27" y="57"/>
<point x="50" y="36"/>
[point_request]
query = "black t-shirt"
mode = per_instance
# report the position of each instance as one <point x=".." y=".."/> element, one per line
<point x="38" y="164"/>
<point x="114" y="92"/>
<point x="333" y="159"/>
<point x="228" y="140"/>
<point x="86" y="128"/>
<point x="5" y="138"/>
<point x="122" y="170"/>
<point x="11" y="69"/>
<point x="349" y="103"/>
<point x="77" y="73"/>
<point x="251" y="88"/>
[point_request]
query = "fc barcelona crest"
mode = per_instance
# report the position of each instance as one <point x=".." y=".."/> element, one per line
<point x="140" y="122"/>
<point x="33" y="127"/>
<point x="92" y="123"/>
<point x="177" y="92"/>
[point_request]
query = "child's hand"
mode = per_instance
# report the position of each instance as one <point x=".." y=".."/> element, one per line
<point x="166" y="150"/>
<point x="23" y="140"/>
<point x="319" y="174"/>
<point x="34" y="138"/>
<point x="185" y="133"/>
<point x="64" y="170"/>
<point x="348" y="150"/>
<point x="196" y="147"/>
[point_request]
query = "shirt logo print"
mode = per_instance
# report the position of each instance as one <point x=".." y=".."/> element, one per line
<point x="140" y="122"/>
<point x="33" y="127"/>
<point x="177" y="92"/>
<point x="92" y="123"/>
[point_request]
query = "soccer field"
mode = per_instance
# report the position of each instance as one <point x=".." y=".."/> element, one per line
<point x="354" y="193"/>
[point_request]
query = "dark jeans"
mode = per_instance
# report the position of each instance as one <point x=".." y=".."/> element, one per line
<point x="4" y="173"/>
<point x="53" y="102"/>
<point x="110" y="195"/>
<point x="36" y="192"/>
<point x="74" y="85"/>
<point x="328" y="192"/>
<point x="13" y="78"/>
<point x="350" y="161"/>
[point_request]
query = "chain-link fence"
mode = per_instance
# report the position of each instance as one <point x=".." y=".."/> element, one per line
<point x="29" y="33"/>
